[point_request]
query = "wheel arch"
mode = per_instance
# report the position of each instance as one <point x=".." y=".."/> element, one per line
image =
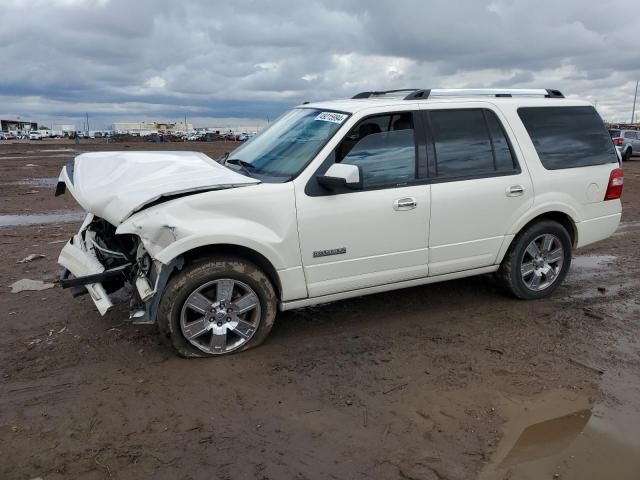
<point x="562" y="217"/>
<point x="238" y="251"/>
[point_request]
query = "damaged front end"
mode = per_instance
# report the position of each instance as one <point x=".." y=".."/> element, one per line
<point x="100" y="262"/>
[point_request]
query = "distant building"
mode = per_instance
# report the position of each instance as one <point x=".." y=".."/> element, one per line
<point x="142" y="128"/>
<point x="624" y="126"/>
<point x="64" y="128"/>
<point x="252" y="129"/>
<point x="17" y="126"/>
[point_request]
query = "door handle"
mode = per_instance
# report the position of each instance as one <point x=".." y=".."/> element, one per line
<point x="408" y="203"/>
<point x="515" y="191"/>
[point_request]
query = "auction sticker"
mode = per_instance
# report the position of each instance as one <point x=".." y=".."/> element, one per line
<point x="331" y="117"/>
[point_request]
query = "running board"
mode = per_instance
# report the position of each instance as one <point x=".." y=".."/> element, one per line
<point x="307" y="302"/>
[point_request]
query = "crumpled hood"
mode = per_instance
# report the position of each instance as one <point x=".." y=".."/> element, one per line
<point x="114" y="185"/>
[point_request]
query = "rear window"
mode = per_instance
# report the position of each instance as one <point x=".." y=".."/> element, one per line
<point x="568" y="137"/>
<point x="614" y="133"/>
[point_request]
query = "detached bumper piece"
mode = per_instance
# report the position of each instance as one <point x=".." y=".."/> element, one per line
<point x="68" y="282"/>
<point x="88" y="272"/>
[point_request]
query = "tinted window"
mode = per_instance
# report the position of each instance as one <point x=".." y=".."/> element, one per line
<point x="505" y="160"/>
<point x="469" y="142"/>
<point x="567" y="137"/>
<point x="633" y="135"/>
<point x="614" y="133"/>
<point x="383" y="147"/>
<point x="462" y="143"/>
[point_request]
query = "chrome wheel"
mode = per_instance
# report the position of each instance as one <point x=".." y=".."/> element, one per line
<point x="220" y="316"/>
<point x="542" y="262"/>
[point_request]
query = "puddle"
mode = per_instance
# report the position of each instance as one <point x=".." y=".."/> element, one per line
<point x="36" y="157"/>
<point x="628" y="225"/>
<point x="36" y="182"/>
<point x="561" y="434"/>
<point x="592" y="262"/>
<point x="588" y="267"/>
<point x="596" y="276"/>
<point x="626" y="228"/>
<point x="608" y="291"/>
<point x="41" y="218"/>
<point x="56" y="150"/>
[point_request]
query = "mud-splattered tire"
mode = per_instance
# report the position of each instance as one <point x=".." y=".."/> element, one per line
<point x="537" y="261"/>
<point x="217" y="306"/>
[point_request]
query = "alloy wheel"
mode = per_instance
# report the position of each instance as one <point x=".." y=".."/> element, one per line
<point x="541" y="262"/>
<point x="220" y="316"/>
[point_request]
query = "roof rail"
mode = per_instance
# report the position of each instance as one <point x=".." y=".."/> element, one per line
<point x="492" y="92"/>
<point x="423" y="94"/>
<point x="383" y="92"/>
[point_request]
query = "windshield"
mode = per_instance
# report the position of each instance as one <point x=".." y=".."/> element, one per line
<point x="288" y="145"/>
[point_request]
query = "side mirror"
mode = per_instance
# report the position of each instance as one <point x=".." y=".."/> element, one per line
<point x="341" y="176"/>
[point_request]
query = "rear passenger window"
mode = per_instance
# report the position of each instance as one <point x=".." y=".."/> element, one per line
<point x="470" y="143"/>
<point x="568" y="137"/>
<point x="632" y="135"/>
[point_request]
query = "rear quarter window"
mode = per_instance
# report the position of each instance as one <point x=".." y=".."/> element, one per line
<point x="568" y="137"/>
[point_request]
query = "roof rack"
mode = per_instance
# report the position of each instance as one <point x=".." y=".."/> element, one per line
<point x="423" y="94"/>
<point x="385" y="92"/>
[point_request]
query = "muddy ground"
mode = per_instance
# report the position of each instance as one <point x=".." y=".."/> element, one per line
<point x="446" y="381"/>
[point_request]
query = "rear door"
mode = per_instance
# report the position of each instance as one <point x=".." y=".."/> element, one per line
<point x="478" y="187"/>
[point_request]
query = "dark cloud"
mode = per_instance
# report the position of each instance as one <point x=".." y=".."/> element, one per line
<point x="123" y="59"/>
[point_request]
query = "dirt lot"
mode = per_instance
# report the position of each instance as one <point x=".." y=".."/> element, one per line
<point x="447" y="381"/>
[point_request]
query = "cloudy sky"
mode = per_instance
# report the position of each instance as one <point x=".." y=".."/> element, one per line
<point x="222" y="62"/>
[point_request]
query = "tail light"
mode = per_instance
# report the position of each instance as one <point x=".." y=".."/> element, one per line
<point x="618" y="141"/>
<point x="616" y="180"/>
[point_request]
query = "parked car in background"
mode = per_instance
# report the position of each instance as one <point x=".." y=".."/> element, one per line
<point x="243" y="137"/>
<point x="35" y="135"/>
<point x="626" y="141"/>
<point x="3" y="136"/>
<point x="340" y="199"/>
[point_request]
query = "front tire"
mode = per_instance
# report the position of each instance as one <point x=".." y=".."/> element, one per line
<point x="537" y="261"/>
<point x="217" y="306"/>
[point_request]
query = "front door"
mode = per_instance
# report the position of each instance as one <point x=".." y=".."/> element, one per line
<point x="376" y="235"/>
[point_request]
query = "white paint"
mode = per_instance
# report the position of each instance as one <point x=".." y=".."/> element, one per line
<point x="456" y="229"/>
<point x="112" y="185"/>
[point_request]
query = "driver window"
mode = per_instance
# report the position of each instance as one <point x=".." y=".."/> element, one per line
<point x="383" y="146"/>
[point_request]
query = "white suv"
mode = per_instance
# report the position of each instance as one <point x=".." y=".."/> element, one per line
<point x="340" y="199"/>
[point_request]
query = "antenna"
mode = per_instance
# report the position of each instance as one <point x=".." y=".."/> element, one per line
<point x="635" y="96"/>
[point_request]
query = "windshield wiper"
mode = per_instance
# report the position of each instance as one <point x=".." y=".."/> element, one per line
<point x="242" y="163"/>
<point x="245" y="167"/>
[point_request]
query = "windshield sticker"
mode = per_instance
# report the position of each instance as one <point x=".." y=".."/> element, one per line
<point x="331" y="117"/>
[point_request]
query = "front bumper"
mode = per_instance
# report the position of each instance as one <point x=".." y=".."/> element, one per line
<point x="89" y="266"/>
<point x="75" y="258"/>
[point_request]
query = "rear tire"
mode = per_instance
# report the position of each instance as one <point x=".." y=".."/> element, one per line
<point x="537" y="261"/>
<point x="627" y="155"/>
<point x="217" y="306"/>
